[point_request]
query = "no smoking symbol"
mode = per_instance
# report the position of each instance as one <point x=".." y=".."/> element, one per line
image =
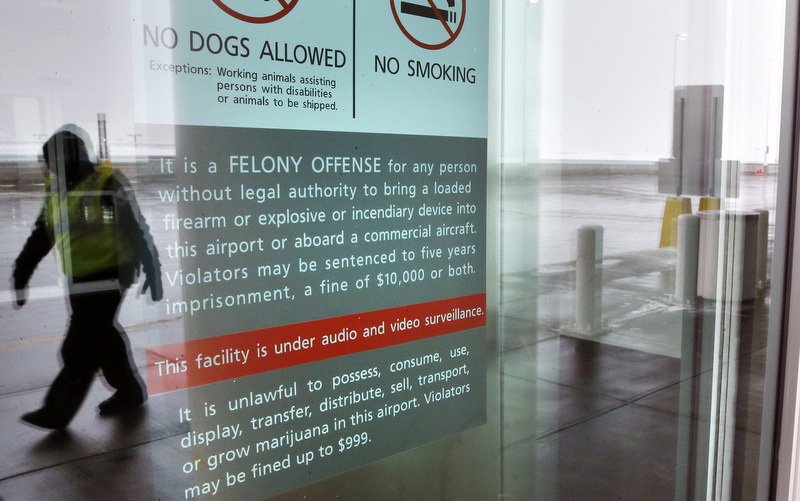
<point x="430" y="24"/>
<point x="256" y="11"/>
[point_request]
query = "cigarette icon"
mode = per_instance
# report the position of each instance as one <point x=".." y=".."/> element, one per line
<point x="429" y="12"/>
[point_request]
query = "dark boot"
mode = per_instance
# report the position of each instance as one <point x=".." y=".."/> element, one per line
<point x="120" y="402"/>
<point x="43" y="418"/>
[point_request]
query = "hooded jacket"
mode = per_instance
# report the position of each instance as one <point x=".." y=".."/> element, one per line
<point x="90" y="215"/>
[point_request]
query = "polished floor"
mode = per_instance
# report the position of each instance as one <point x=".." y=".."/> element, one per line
<point x="617" y="414"/>
<point x="588" y="420"/>
<point x="626" y="412"/>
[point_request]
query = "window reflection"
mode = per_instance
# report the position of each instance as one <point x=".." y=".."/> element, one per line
<point x="638" y="210"/>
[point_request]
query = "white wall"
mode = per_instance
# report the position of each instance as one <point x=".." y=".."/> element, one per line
<point x="601" y="74"/>
<point x="64" y="61"/>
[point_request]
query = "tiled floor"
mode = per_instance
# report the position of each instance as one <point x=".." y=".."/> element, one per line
<point x="593" y="419"/>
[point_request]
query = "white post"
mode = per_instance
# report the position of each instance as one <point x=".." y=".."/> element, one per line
<point x="686" y="266"/>
<point x="761" y="253"/>
<point x="598" y="274"/>
<point x="102" y="136"/>
<point x="588" y="282"/>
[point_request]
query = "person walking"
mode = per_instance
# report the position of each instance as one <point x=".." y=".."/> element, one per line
<point x="91" y="217"/>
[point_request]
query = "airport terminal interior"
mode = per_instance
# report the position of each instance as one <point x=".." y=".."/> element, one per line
<point x="636" y="209"/>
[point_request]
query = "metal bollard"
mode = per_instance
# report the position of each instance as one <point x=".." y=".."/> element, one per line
<point x="686" y="264"/>
<point x="588" y="279"/>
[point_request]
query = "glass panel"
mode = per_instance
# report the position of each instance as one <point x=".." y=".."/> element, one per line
<point x="639" y="200"/>
<point x="269" y="220"/>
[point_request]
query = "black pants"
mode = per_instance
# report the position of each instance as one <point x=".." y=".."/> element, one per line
<point x="94" y="341"/>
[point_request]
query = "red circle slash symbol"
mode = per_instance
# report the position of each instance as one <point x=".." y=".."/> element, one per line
<point x="427" y="24"/>
<point x="256" y="11"/>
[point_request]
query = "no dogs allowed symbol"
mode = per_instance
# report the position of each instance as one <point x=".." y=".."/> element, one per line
<point x="430" y="24"/>
<point x="256" y="11"/>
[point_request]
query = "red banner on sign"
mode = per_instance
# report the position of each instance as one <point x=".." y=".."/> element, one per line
<point x="195" y="363"/>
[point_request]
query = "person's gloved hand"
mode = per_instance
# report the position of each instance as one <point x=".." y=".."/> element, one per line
<point x="20" y="297"/>
<point x="19" y="291"/>
<point x="152" y="281"/>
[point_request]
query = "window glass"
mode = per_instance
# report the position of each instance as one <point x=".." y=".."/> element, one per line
<point x="639" y="202"/>
<point x="388" y="250"/>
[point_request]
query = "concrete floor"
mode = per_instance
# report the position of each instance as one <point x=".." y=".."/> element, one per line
<point x="590" y="417"/>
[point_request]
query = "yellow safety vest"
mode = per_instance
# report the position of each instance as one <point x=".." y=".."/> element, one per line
<point x="86" y="232"/>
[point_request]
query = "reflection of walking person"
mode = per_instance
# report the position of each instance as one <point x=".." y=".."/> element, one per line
<point x="91" y="217"/>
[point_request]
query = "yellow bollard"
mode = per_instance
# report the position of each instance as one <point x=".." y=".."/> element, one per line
<point x="674" y="207"/>
<point x="709" y="203"/>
